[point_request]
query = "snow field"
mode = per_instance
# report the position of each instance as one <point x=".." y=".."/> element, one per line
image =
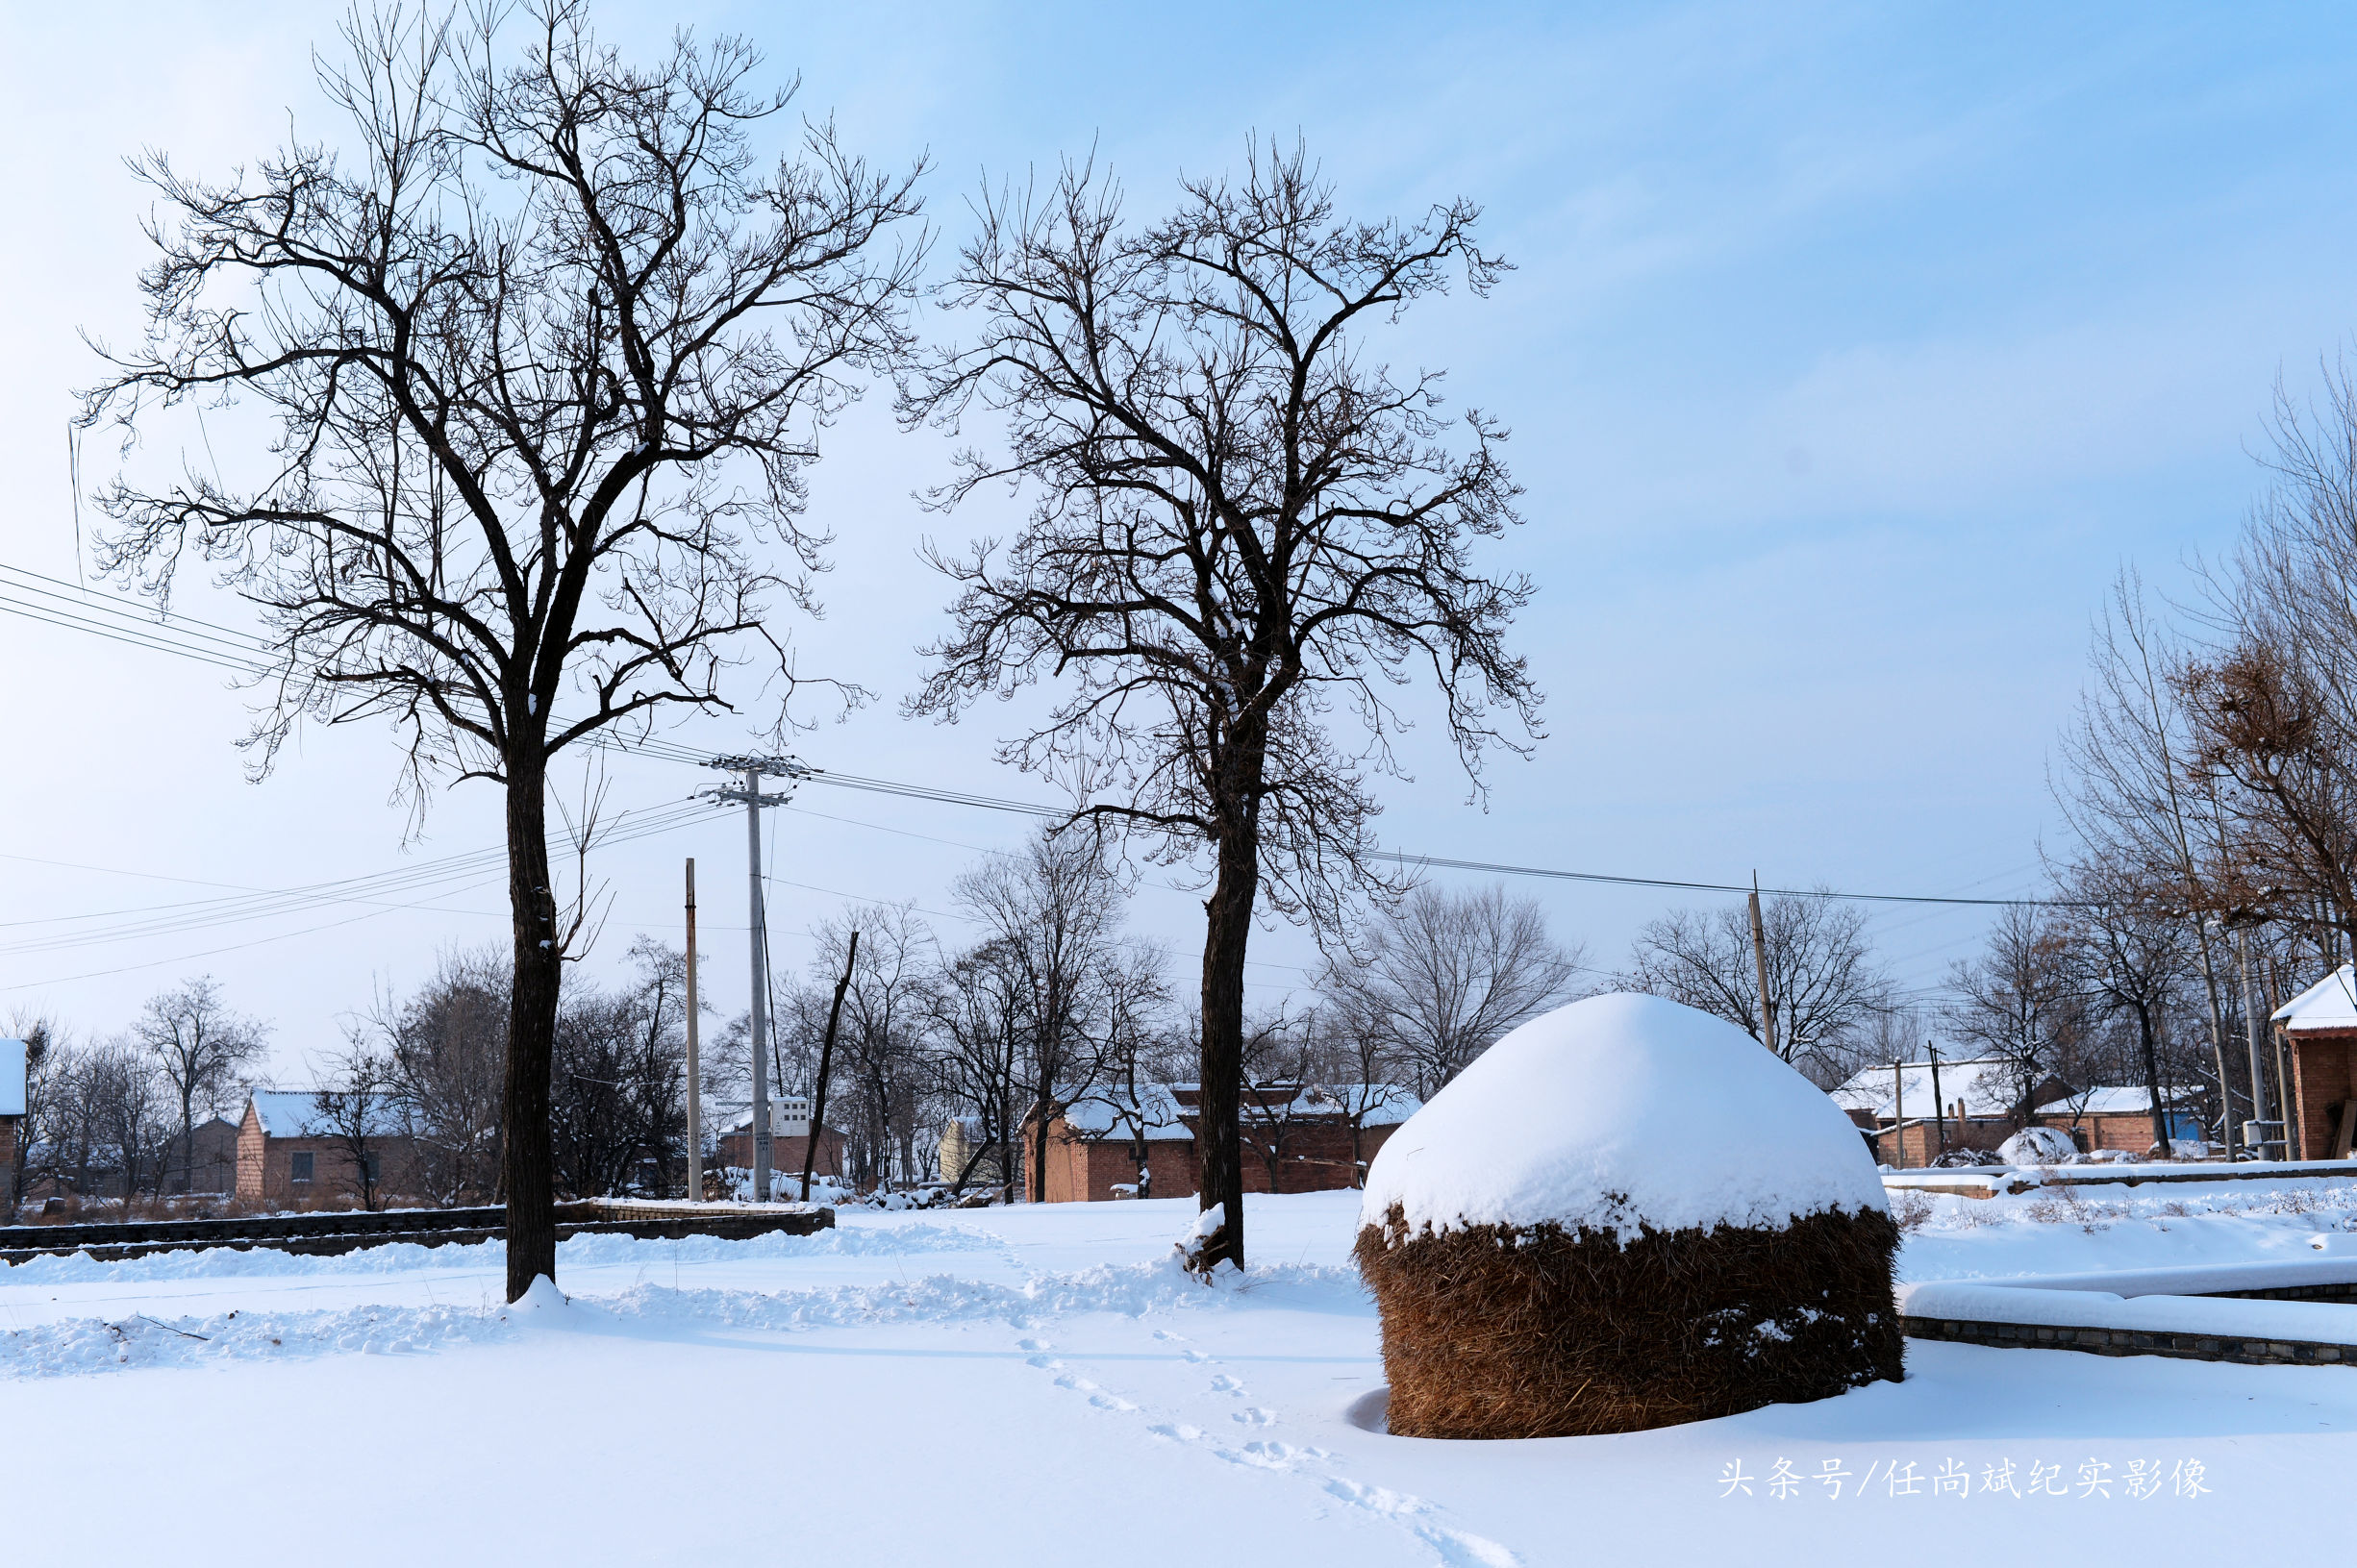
<point x="1039" y="1385"/>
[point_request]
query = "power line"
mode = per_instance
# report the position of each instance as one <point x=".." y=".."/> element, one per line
<point x="157" y="638"/>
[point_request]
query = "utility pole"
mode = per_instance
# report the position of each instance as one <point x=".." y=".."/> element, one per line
<point x="695" y="1080"/>
<point x="2250" y="1022"/>
<point x="793" y="772"/>
<point x="1939" y="1107"/>
<point x="1899" y="1114"/>
<point x="1759" y="953"/>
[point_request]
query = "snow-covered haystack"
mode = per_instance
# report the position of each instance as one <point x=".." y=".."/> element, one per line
<point x="1625" y="1214"/>
<point x="2038" y="1146"/>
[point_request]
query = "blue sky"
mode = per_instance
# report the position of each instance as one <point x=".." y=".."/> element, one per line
<point x="1850" y="352"/>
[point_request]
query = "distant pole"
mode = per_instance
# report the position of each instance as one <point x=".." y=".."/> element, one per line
<point x="1759" y="953"/>
<point x="1939" y="1107"/>
<point x="695" y="1080"/>
<point x="1898" y="1116"/>
<point x="761" y="989"/>
<point x="826" y="1060"/>
<point x="2250" y="1022"/>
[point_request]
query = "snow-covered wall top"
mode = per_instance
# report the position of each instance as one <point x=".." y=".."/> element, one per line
<point x="2331" y="1002"/>
<point x="1617" y="1112"/>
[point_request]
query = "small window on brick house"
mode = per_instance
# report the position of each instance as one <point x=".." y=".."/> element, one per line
<point x="376" y="1168"/>
<point x="301" y="1167"/>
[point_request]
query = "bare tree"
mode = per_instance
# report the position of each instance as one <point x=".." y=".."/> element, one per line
<point x="2133" y="956"/>
<point x="1822" y="979"/>
<point x="448" y="1046"/>
<point x="621" y="1074"/>
<point x="978" y="1024"/>
<point x="127" y="1104"/>
<point x="1054" y="917"/>
<point x="1241" y="523"/>
<point x="199" y="1045"/>
<point x="548" y="350"/>
<point x="2021" y="1001"/>
<point x="1445" y="977"/>
<point x="881" y="1044"/>
<point x="354" y="1112"/>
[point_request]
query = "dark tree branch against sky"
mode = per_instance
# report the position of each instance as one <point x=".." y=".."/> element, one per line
<point x="547" y="342"/>
<point x="1246" y="534"/>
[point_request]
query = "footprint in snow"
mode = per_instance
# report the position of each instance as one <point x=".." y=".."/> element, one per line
<point x="1222" y="1384"/>
<point x="1256" y="1417"/>
<point x="1096" y="1395"/>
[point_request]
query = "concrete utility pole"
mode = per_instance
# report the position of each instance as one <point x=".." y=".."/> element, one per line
<point x="2250" y="1021"/>
<point x="793" y="772"/>
<point x="1759" y="953"/>
<point x="695" y="1080"/>
<point x="1899" y="1115"/>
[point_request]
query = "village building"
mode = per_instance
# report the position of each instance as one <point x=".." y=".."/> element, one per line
<point x="1910" y="1113"/>
<point x="12" y="1058"/>
<point x="207" y="1160"/>
<point x="1296" y="1137"/>
<point x="2120" y="1118"/>
<point x="2319" y="1028"/>
<point x="965" y="1150"/>
<point x="290" y="1150"/>
<point x="790" y="1136"/>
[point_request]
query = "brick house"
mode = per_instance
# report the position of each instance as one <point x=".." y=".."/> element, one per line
<point x="1296" y="1138"/>
<point x="212" y="1167"/>
<point x="2319" y="1028"/>
<point x="12" y="1055"/>
<point x="789" y="1135"/>
<point x="1978" y="1104"/>
<point x="287" y="1151"/>
<point x="2120" y="1118"/>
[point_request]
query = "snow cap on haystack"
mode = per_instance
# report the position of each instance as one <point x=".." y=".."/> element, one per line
<point x="1618" y="1114"/>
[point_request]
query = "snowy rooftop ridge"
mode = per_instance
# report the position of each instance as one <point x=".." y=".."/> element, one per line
<point x="1986" y="1085"/>
<point x="12" y="1077"/>
<point x="294" y="1113"/>
<point x="2330" y="1003"/>
<point x="2126" y="1100"/>
<point x="1618" y="1113"/>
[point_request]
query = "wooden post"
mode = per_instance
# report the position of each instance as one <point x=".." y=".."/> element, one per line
<point x="696" y="1081"/>
<point x="1759" y="953"/>
<point x="1939" y="1107"/>
<point x="826" y="1059"/>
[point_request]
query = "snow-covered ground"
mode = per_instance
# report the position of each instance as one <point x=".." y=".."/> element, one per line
<point x="1039" y="1386"/>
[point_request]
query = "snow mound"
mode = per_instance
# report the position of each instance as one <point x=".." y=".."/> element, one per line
<point x="2038" y="1146"/>
<point x="1618" y="1112"/>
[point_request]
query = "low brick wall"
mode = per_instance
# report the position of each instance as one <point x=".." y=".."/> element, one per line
<point x="331" y="1234"/>
<point x="2132" y="1342"/>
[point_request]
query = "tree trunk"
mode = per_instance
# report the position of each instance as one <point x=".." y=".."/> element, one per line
<point x="527" y="1162"/>
<point x="1219" y="1152"/>
<point x="2152" y="1079"/>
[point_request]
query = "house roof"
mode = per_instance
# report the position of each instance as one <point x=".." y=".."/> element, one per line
<point x="294" y="1113"/>
<point x="780" y="1125"/>
<point x="1987" y="1085"/>
<point x="2127" y="1100"/>
<point x="12" y="1077"/>
<point x="2330" y="1003"/>
<point x="1101" y="1113"/>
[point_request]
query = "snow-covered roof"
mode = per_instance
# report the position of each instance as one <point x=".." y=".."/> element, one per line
<point x="12" y="1077"/>
<point x="1621" y="1112"/>
<point x="2132" y="1100"/>
<point x="294" y="1113"/>
<point x="2331" y="1002"/>
<point x="1987" y="1085"/>
<point x="1106" y="1115"/>
<point x="781" y="1124"/>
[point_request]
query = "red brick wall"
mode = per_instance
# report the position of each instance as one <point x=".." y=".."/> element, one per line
<point x="266" y="1166"/>
<point x="1314" y="1158"/>
<point x="785" y="1154"/>
<point x="2324" y="1075"/>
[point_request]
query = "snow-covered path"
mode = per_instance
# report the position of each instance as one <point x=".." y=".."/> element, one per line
<point x="1038" y="1386"/>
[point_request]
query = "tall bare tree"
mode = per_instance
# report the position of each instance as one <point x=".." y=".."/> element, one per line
<point x="2021" y="1001"/>
<point x="198" y="1045"/>
<point x="549" y="347"/>
<point x="1822" y="977"/>
<point x="1241" y="522"/>
<point x="1445" y="976"/>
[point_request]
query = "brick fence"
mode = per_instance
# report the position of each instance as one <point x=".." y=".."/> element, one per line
<point x="2132" y="1342"/>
